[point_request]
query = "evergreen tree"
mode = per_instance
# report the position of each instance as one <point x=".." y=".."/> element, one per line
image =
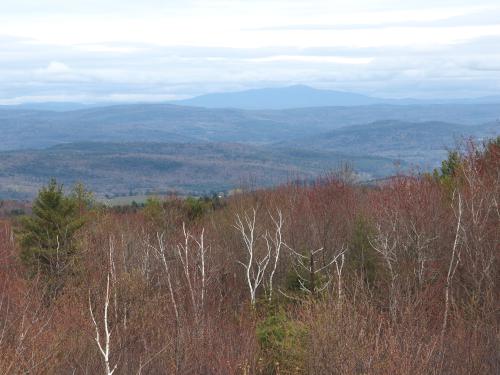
<point x="450" y="166"/>
<point x="48" y="236"/>
<point x="447" y="174"/>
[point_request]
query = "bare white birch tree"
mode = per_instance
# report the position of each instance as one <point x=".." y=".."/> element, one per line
<point x="193" y="263"/>
<point x="104" y="346"/>
<point x="254" y="267"/>
<point x="274" y="243"/>
<point x="160" y="250"/>
<point x="202" y="253"/>
<point x="452" y="266"/>
<point x="190" y="258"/>
<point x="183" y="251"/>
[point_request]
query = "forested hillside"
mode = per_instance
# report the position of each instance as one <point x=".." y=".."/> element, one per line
<point x="304" y="278"/>
<point x="25" y="129"/>
<point x="122" y="169"/>
<point x="151" y="148"/>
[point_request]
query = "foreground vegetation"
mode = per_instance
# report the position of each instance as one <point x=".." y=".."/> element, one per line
<point x="323" y="278"/>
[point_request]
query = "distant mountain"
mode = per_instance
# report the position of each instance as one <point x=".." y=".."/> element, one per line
<point x="298" y="96"/>
<point x="301" y="96"/>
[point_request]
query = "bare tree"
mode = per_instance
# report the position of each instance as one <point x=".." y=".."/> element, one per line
<point x="339" y="266"/>
<point x="160" y="250"/>
<point x="479" y="192"/>
<point x="452" y="266"/>
<point x="202" y="252"/>
<point x="183" y="251"/>
<point x="194" y="268"/>
<point x="274" y="244"/>
<point x="419" y="242"/>
<point x="104" y="347"/>
<point x="24" y="327"/>
<point x="254" y="268"/>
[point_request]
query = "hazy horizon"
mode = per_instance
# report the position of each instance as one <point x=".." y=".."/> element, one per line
<point x="110" y="51"/>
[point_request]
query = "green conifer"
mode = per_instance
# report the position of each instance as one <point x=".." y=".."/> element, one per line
<point x="47" y="237"/>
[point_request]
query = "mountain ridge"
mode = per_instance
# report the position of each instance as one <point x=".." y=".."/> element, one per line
<point x="267" y="98"/>
<point x="303" y="96"/>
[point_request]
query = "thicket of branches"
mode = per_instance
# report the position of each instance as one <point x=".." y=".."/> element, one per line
<point x="323" y="278"/>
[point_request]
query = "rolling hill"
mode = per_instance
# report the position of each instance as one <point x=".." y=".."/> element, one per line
<point x="137" y="168"/>
<point x="141" y="148"/>
<point x="421" y="143"/>
<point x="26" y="129"/>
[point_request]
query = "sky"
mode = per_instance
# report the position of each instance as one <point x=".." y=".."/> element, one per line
<point x="153" y="50"/>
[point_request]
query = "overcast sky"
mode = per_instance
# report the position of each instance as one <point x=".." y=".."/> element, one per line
<point x="153" y="50"/>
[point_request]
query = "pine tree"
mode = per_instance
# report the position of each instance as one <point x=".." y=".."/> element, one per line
<point x="47" y="237"/>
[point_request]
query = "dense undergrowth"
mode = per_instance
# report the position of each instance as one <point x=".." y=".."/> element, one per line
<point x="323" y="278"/>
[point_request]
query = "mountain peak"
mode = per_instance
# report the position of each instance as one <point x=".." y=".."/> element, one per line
<point x="295" y="96"/>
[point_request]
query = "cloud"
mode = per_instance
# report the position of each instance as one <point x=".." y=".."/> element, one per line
<point x="57" y="72"/>
<point x="312" y="59"/>
<point x="147" y="52"/>
<point x="145" y="72"/>
<point x="56" y="68"/>
<point x="468" y="17"/>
